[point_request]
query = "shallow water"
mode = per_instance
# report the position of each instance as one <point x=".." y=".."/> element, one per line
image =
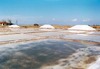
<point x="34" y="55"/>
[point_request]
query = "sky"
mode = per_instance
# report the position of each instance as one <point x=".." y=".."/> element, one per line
<point x="63" y="12"/>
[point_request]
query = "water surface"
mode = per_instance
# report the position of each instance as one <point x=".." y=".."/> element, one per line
<point x="35" y="54"/>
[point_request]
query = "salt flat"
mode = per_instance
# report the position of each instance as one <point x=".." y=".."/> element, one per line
<point x="47" y="49"/>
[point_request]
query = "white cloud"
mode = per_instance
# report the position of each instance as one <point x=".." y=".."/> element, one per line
<point x="75" y="19"/>
<point x="86" y="20"/>
<point x="53" y="19"/>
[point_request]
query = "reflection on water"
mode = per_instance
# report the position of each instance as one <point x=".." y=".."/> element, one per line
<point x="36" y="54"/>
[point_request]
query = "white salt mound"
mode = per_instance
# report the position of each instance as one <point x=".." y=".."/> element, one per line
<point x="47" y="26"/>
<point x="82" y="27"/>
<point x="14" y="26"/>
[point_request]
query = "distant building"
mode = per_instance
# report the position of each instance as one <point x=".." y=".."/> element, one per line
<point x="4" y="23"/>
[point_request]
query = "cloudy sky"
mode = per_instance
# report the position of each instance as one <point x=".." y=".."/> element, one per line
<point x="66" y="12"/>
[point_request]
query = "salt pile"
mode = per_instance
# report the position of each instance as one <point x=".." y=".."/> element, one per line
<point x="47" y="27"/>
<point x="14" y="26"/>
<point x="81" y="29"/>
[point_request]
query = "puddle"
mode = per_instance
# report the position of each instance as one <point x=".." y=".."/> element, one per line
<point x="35" y="54"/>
